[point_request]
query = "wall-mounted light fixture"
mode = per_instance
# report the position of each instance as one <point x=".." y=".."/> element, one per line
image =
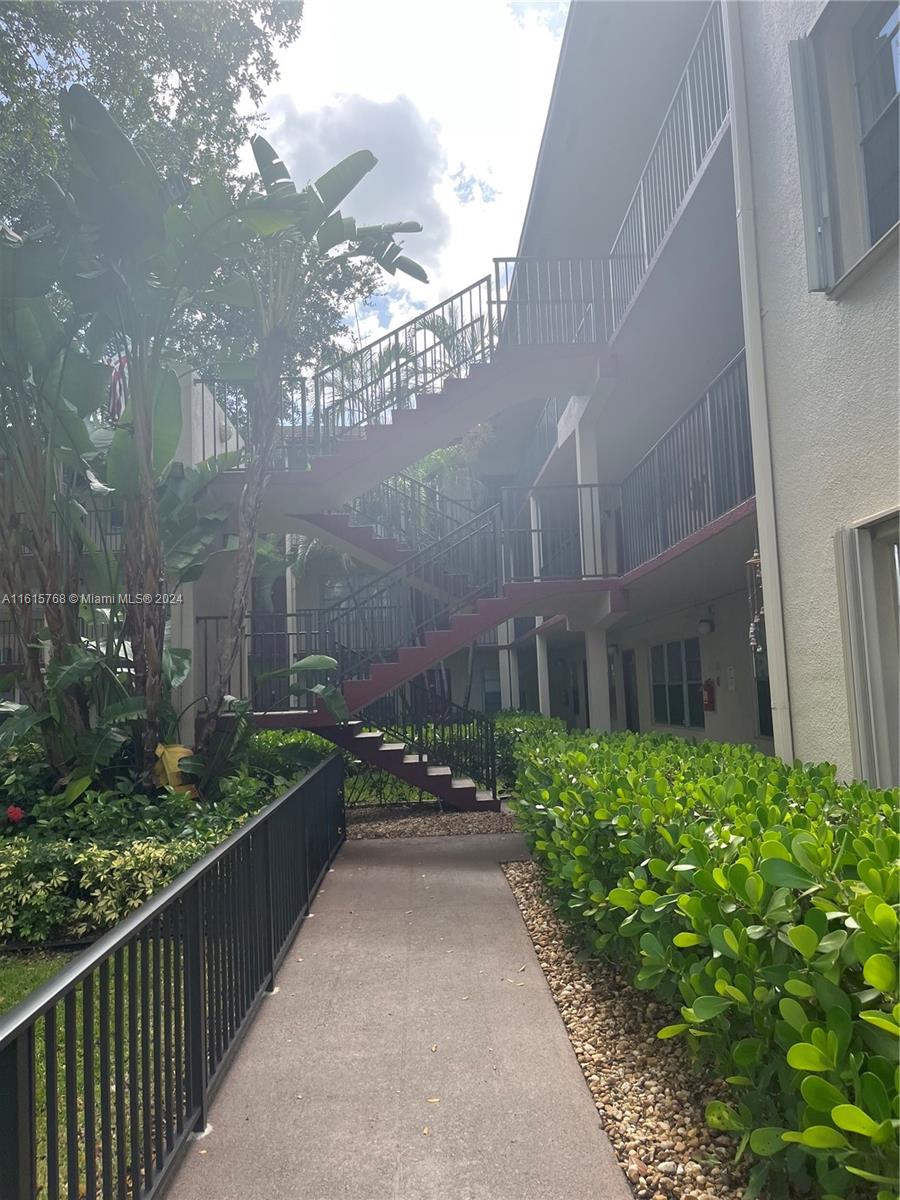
<point x="705" y="625"/>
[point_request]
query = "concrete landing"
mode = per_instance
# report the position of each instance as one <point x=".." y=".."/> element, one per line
<point x="412" y="1052"/>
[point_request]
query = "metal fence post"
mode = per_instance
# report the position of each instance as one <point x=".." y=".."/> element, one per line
<point x="18" y="1178"/>
<point x="270" y="907"/>
<point x="195" y="1003"/>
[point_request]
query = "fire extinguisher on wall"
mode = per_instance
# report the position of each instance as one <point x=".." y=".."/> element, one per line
<point x="709" y="695"/>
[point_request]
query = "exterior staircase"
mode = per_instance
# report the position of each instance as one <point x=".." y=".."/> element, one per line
<point x="389" y="632"/>
<point x="535" y="327"/>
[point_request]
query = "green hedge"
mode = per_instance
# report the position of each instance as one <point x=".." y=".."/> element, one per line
<point x="513" y="730"/>
<point x="761" y="899"/>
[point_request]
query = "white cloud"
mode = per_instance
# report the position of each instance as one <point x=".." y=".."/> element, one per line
<point x="452" y="98"/>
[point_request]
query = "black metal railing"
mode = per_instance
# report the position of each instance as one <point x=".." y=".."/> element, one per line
<point x="107" y="1069"/>
<point x="439" y="731"/>
<point x="699" y="470"/>
<point x="565" y="531"/>
<point x="541" y="442"/>
<point x="414" y="513"/>
<point x="420" y="595"/>
<point x="550" y="302"/>
<point x="525" y="302"/>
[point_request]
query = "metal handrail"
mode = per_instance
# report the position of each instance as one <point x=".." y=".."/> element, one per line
<point x="695" y="116"/>
<point x="190" y="966"/>
<point x="699" y="469"/>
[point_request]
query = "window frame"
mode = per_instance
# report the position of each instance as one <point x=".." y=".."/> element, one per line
<point x="684" y="684"/>
<point x="835" y="200"/>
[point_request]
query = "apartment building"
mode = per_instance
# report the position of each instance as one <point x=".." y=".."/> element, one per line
<point x="683" y="516"/>
<point x="736" y="165"/>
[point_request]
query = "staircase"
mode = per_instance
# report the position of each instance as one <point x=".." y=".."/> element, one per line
<point x="533" y="328"/>
<point x="388" y="632"/>
<point x="382" y="527"/>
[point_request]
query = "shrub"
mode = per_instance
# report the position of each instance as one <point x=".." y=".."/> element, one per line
<point x="513" y="731"/>
<point x="57" y="890"/>
<point x="272" y="753"/>
<point x="762" y="899"/>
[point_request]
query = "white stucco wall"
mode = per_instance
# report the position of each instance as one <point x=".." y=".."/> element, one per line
<point x="831" y="381"/>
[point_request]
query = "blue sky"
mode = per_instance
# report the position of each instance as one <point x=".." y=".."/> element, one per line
<point x="451" y="96"/>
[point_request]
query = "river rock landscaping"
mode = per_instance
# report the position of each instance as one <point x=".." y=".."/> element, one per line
<point x="647" y="1093"/>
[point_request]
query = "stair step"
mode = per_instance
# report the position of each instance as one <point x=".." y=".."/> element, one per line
<point x="391" y="747"/>
<point x="463" y="783"/>
<point x="439" y="771"/>
<point x="368" y="734"/>
<point x="415" y="759"/>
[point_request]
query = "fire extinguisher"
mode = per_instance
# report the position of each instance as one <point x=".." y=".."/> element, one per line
<point x="709" y="695"/>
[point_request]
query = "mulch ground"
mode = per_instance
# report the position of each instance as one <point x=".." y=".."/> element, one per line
<point x="402" y="821"/>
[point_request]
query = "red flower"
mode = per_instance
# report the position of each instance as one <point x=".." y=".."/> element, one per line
<point x="14" y="814"/>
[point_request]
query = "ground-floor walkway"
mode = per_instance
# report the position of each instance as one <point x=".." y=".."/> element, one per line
<point x="411" y="1052"/>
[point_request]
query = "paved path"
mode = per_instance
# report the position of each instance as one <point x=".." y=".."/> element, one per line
<point x="407" y="986"/>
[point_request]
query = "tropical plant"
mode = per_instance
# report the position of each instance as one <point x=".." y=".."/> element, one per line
<point x="176" y="74"/>
<point x="296" y="227"/>
<point x="125" y="255"/>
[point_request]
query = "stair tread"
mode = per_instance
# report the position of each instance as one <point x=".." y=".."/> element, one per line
<point x="392" y="747"/>
<point x="439" y="771"/>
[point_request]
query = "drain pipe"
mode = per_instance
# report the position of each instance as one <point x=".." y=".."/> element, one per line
<point x="756" y="384"/>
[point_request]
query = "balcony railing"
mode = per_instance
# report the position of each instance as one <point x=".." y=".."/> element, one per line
<point x="565" y="531"/>
<point x="690" y="128"/>
<point x="698" y="471"/>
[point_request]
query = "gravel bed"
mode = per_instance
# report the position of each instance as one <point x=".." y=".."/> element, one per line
<point x="402" y="821"/>
<point x="647" y="1091"/>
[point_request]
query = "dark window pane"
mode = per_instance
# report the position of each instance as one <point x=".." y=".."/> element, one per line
<point x="695" y="705"/>
<point x="657" y="664"/>
<point x="676" y="704"/>
<point x="660" y="708"/>
<point x="692" y="659"/>
<point x="880" y="157"/>
<point x="673" y="661"/>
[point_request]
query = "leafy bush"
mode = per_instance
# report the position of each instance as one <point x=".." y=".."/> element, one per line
<point x="762" y="899"/>
<point x="513" y="731"/>
<point x="273" y="754"/>
<point x="57" y="890"/>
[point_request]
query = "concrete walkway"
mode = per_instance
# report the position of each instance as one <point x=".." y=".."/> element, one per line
<point x="412" y="1052"/>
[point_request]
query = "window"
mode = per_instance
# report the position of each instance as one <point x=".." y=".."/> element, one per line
<point x="876" y="59"/>
<point x="676" y="681"/>
<point x="490" y="683"/>
<point x="845" y="82"/>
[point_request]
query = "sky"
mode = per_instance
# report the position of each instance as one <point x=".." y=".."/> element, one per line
<point x="451" y="97"/>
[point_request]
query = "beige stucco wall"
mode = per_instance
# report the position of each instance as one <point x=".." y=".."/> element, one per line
<point x="725" y="658"/>
<point x="831" y="380"/>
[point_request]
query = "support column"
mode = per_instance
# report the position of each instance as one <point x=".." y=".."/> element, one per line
<point x="543" y="674"/>
<point x="597" y="680"/>
<point x="509" y="669"/>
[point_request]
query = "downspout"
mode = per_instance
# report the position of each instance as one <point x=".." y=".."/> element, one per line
<point x="756" y="384"/>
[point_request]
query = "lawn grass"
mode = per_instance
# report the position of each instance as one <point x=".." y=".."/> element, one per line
<point x="22" y="973"/>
